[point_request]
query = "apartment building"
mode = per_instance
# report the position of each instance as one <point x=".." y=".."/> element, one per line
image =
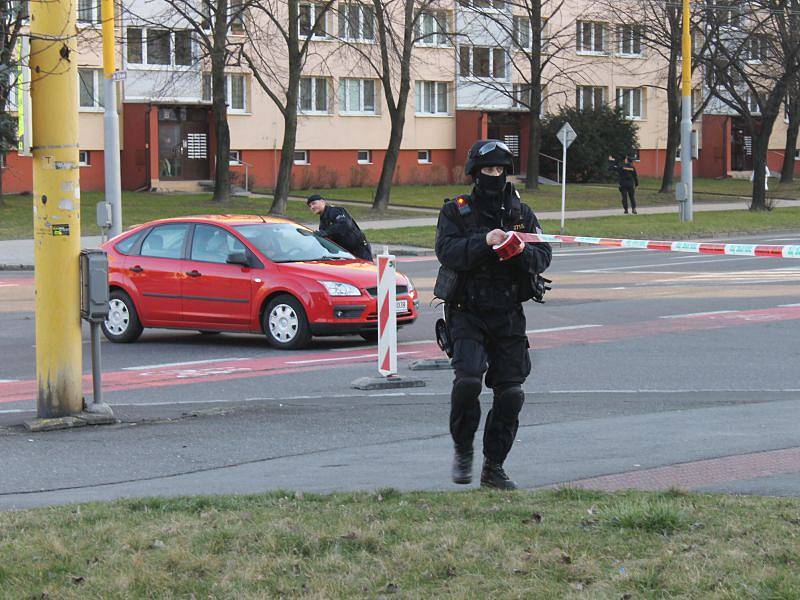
<point x="466" y="85"/>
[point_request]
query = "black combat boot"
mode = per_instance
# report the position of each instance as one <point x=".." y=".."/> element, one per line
<point x="462" y="466"/>
<point x="494" y="476"/>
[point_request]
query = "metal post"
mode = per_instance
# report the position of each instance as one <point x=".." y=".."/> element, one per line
<point x="56" y="207"/>
<point x="686" y="120"/>
<point x="113" y="182"/>
<point x="563" y="185"/>
<point x="97" y="406"/>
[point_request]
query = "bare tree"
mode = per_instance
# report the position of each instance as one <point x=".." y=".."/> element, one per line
<point x="12" y="15"/>
<point x="790" y="149"/>
<point x="278" y="67"/>
<point x="750" y="67"/>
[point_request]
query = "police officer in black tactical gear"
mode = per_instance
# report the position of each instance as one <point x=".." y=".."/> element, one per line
<point x="628" y="182"/>
<point x="483" y="306"/>
<point x="336" y="224"/>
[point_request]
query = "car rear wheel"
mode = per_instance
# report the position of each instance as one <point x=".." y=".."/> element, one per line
<point x="122" y="324"/>
<point x="285" y="323"/>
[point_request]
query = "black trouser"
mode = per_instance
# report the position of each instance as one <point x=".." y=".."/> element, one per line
<point x="628" y="192"/>
<point x="494" y="343"/>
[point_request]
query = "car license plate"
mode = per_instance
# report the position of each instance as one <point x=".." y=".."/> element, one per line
<point x="402" y="306"/>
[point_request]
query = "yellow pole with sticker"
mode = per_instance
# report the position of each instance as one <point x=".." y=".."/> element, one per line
<point x="56" y="207"/>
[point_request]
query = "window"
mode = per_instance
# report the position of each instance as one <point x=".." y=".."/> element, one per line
<point x="724" y="13"/>
<point x="476" y="61"/>
<point x="90" y="88"/>
<point x="480" y="4"/>
<point x="591" y="37"/>
<point x="364" y="157"/>
<point x="213" y="244"/>
<point x="237" y="93"/>
<point x="134" y="46"/>
<point x="301" y="157"/>
<point x="590" y="98"/>
<point x="357" y="96"/>
<point x="629" y="38"/>
<point x="313" y="95"/>
<point x="183" y="48"/>
<point x="752" y="104"/>
<point x="424" y="157"/>
<point x="356" y="21"/>
<point x="521" y="95"/>
<point x="757" y="48"/>
<point x="432" y="28"/>
<point x="236" y="15"/>
<point x="630" y="101"/>
<point x="430" y="97"/>
<point x="522" y="32"/>
<point x="165" y="241"/>
<point x="158" y="47"/>
<point x="88" y="11"/>
<point x="310" y="22"/>
<point x="235" y="157"/>
<point x="83" y="158"/>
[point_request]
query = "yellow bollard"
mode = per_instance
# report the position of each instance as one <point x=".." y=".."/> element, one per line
<point x="56" y="206"/>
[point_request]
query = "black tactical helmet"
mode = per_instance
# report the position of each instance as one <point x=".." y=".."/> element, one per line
<point x="488" y="153"/>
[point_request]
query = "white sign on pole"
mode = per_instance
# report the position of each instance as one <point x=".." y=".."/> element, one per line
<point x="566" y="135"/>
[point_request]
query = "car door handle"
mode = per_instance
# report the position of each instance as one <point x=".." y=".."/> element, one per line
<point x="137" y="269"/>
<point x="193" y="273"/>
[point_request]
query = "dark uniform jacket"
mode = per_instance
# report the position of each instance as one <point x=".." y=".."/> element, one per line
<point x="627" y="176"/>
<point x="486" y="283"/>
<point x="336" y="224"/>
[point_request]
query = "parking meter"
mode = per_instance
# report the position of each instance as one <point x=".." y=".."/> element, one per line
<point x="94" y="308"/>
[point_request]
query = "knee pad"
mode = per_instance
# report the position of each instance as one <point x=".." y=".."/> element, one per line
<point x="466" y="389"/>
<point x="508" y="403"/>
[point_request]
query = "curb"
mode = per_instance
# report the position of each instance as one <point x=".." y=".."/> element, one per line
<point x="13" y="267"/>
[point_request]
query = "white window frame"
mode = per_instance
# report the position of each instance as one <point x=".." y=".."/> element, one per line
<point x="438" y="20"/>
<point x="364" y="10"/>
<point x="752" y="104"/>
<point x="630" y="34"/>
<point x="207" y="92"/>
<point x="424" y="157"/>
<point x="344" y="96"/>
<point x="580" y="42"/>
<point x="626" y="100"/>
<point x="97" y="83"/>
<point x="172" y="65"/>
<point x="518" y="32"/>
<point x="491" y="49"/>
<point x="95" y="18"/>
<point x="235" y="157"/>
<point x="314" y="7"/>
<point x="581" y="96"/>
<point x="314" y="111"/>
<point x="493" y="5"/>
<point x="364" y="161"/>
<point x="305" y="160"/>
<point x="421" y="89"/>
<point x="760" y="44"/>
<point x="84" y="158"/>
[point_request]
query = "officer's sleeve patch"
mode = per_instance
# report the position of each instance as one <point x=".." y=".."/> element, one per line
<point x="340" y="218"/>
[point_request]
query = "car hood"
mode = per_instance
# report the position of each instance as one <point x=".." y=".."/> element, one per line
<point x="359" y="273"/>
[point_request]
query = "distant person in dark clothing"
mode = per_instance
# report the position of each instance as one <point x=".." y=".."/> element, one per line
<point x="336" y="224"/>
<point x="628" y="182"/>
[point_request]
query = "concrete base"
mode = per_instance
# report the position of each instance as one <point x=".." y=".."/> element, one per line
<point x="386" y="383"/>
<point x="79" y="420"/>
<point x="98" y="408"/>
<point x="430" y="364"/>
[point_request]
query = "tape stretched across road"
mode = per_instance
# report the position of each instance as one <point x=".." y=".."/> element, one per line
<point x="775" y="251"/>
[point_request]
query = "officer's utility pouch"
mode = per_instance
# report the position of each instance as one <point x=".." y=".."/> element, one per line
<point x="446" y="286"/>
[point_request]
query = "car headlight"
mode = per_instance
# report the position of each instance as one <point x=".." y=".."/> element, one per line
<point x="337" y="288"/>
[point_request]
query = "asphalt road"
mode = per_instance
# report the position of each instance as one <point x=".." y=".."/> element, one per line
<point x="651" y="370"/>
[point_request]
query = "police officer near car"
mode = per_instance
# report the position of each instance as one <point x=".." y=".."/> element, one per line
<point x="628" y="182"/>
<point x="336" y="224"/>
<point x="484" y="330"/>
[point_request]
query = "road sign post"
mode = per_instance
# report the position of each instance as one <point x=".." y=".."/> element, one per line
<point x="566" y="135"/>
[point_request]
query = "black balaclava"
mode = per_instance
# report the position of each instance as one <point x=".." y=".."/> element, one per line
<point x="491" y="185"/>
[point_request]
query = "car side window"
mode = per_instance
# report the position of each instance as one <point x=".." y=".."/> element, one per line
<point x="165" y="241"/>
<point x="214" y="244"/>
<point x="127" y="245"/>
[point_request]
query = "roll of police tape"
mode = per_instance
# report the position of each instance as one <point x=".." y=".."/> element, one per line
<point x="766" y="250"/>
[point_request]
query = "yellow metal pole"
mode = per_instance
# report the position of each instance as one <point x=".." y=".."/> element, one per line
<point x="107" y="13"/>
<point x="687" y="193"/>
<point x="56" y="207"/>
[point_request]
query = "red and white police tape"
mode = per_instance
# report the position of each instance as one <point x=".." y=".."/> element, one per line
<point x="512" y="245"/>
<point x="387" y="313"/>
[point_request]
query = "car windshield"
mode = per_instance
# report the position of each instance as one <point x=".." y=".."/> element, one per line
<point x="285" y="242"/>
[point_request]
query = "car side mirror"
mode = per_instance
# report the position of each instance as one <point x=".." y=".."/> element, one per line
<point x="238" y="258"/>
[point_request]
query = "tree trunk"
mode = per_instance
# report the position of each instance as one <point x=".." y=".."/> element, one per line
<point x="2" y="196"/>
<point x="535" y="108"/>
<point x="673" y="119"/>
<point x="284" y="182"/>
<point x="222" y="182"/>
<point x="383" y="191"/>
<point x="534" y="147"/>
<point x="787" y="169"/>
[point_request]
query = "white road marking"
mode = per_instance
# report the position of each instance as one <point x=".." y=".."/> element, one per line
<point x="8" y="380"/>
<point x="323" y="360"/>
<point x="720" y="258"/>
<point x="567" y="328"/>
<point x="788" y="305"/>
<point x="9" y="284"/>
<point x="697" y="314"/>
<point x="180" y="364"/>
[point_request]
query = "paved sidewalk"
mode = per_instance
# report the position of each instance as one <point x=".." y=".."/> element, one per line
<point x="18" y="254"/>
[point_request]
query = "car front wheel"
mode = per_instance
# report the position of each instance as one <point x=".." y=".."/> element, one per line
<point x="285" y="323"/>
<point x="122" y="324"/>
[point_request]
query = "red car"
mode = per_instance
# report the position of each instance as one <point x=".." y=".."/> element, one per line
<point x="246" y="274"/>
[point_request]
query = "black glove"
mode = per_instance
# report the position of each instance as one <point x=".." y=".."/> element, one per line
<point x="540" y="288"/>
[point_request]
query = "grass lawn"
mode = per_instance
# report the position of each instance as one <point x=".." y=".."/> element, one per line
<point x="478" y="544"/>
<point x="653" y="227"/>
<point x="16" y="220"/>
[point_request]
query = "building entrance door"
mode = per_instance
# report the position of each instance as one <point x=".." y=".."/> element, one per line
<point x="182" y="143"/>
<point x="741" y="147"/>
